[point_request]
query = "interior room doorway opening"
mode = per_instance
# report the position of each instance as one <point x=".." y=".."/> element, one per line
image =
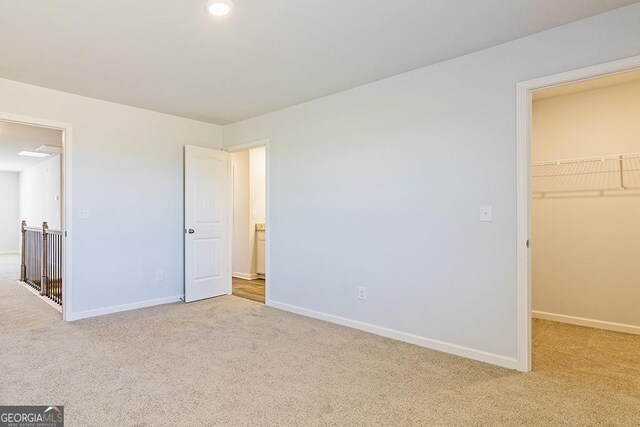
<point x="249" y="221"/>
<point x="593" y="181"/>
<point x="209" y="222"/>
<point x="35" y="187"/>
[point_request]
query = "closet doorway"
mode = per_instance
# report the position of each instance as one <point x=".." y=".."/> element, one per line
<point x="585" y="186"/>
<point x="585" y="234"/>
<point x="249" y="229"/>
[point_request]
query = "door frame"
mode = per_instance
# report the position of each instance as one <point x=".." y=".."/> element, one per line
<point x="65" y="207"/>
<point x="523" y="186"/>
<point x="267" y="228"/>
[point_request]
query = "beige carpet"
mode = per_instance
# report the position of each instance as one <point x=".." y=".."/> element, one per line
<point x="229" y="361"/>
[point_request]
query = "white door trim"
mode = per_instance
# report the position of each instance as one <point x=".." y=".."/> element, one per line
<point x="523" y="181"/>
<point x="66" y="128"/>
<point x="267" y="232"/>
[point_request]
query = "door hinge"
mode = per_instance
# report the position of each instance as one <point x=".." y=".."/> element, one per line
<point x="527" y="242"/>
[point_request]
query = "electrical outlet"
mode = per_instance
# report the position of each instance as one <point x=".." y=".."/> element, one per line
<point x="362" y="293"/>
<point x="159" y="276"/>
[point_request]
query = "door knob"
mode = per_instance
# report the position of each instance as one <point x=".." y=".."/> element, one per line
<point x="191" y="231"/>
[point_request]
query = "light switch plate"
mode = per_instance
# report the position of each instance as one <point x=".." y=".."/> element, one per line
<point x="486" y="213"/>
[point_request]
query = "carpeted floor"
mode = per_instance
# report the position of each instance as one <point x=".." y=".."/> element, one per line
<point x="230" y="361"/>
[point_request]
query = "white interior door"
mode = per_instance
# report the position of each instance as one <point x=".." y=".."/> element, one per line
<point x="206" y="211"/>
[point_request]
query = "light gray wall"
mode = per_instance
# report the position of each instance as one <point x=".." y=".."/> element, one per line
<point x="380" y="186"/>
<point x="40" y="194"/>
<point x="241" y="259"/>
<point x="9" y="218"/>
<point x="258" y="189"/>
<point x="257" y="196"/>
<point x="127" y="171"/>
<point x="249" y="192"/>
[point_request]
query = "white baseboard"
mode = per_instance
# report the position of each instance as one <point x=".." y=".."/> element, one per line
<point x="123" y="307"/>
<point x="245" y="276"/>
<point x="590" y="323"/>
<point x="482" y="356"/>
<point x="9" y="252"/>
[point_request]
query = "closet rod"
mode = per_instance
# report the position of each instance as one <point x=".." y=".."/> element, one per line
<point x="608" y="157"/>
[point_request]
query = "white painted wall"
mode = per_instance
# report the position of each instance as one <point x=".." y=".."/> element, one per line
<point x="128" y="173"/>
<point x="380" y="186"/>
<point x="9" y="214"/>
<point x="257" y="190"/>
<point x="242" y="263"/>
<point x="585" y="246"/>
<point x="40" y="194"/>
<point x="249" y="186"/>
<point x="258" y="187"/>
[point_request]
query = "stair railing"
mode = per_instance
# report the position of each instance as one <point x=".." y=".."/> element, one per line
<point x="41" y="260"/>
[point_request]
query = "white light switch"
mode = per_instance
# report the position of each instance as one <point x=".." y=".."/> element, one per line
<point x="84" y="213"/>
<point x="486" y="213"/>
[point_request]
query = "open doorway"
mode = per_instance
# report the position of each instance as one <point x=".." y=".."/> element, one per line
<point x="578" y="195"/>
<point x="31" y="221"/>
<point x="248" y="172"/>
<point x="585" y="187"/>
<point x="585" y="184"/>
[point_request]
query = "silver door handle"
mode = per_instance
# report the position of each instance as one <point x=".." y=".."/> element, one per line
<point x="191" y="231"/>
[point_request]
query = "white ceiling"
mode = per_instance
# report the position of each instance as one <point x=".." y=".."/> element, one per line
<point x="16" y="137"/>
<point x="171" y="56"/>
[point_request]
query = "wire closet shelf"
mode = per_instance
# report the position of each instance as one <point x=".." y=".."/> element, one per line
<point x="614" y="172"/>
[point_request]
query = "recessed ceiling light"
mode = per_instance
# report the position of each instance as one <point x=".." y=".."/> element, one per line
<point x="32" y="154"/>
<point x="219" y="7"/>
